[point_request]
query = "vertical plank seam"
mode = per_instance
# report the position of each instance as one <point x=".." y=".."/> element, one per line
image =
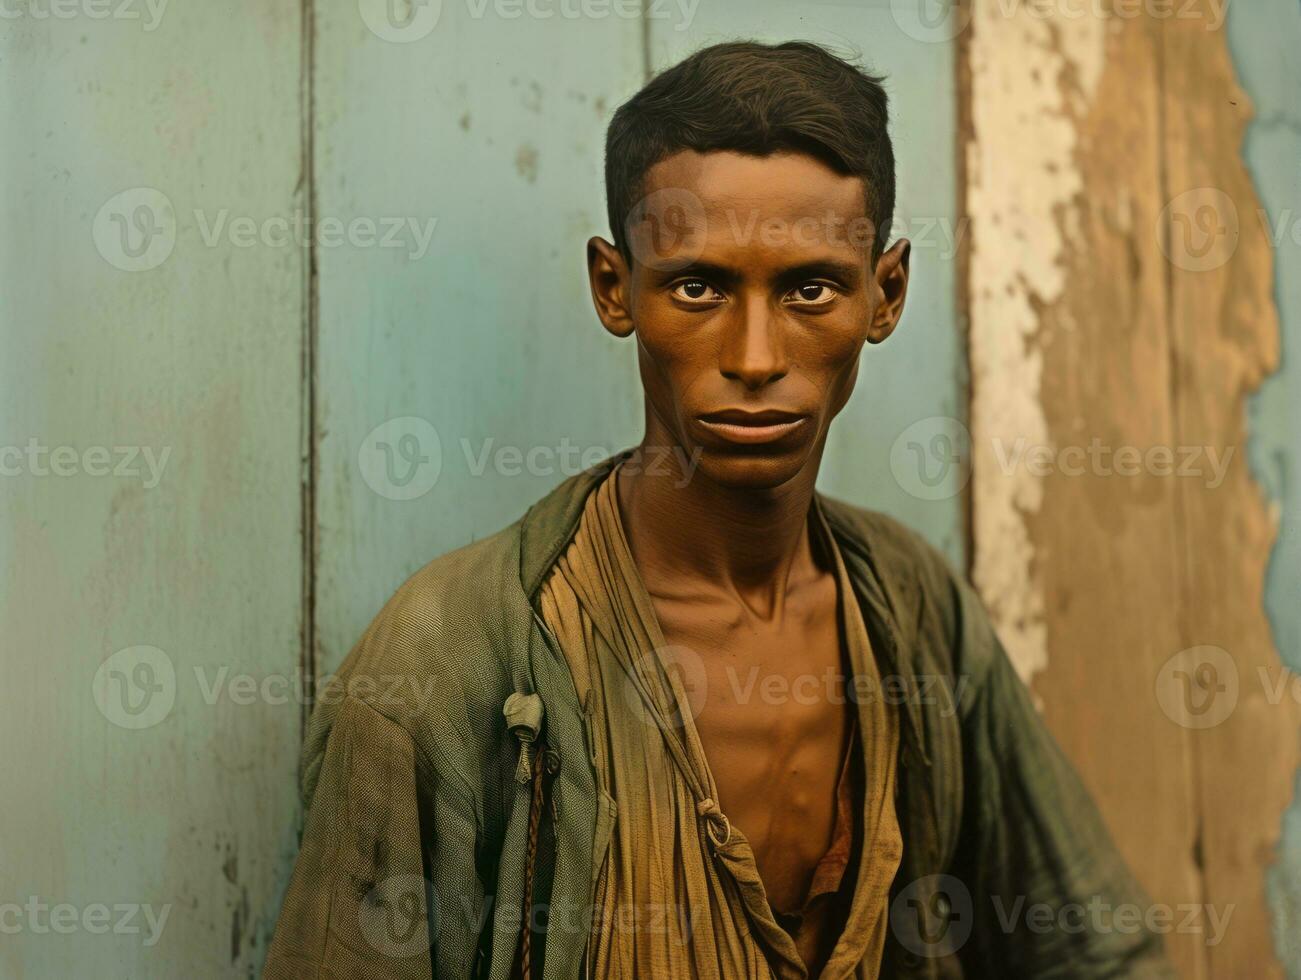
<point x="645" y="43"/>
<point x="308" y="379"/>
<point x="965" y="135"/>
<point x="1179" y="518"/>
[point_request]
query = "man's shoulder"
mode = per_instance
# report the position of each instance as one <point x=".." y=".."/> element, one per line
<point x="453" y="616"/>
<point x="436" y="658"/>
<point x="894" y="548"/>
<point x="936" y="608"/>
<point x="927" y="597"/>
<point x="469" y="579"/>
<point x="450" y="645"/>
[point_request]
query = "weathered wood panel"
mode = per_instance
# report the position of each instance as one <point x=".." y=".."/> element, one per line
<point x="462" y="373"/>
<point x="1118" y="537"/>
<point x="1226" y="336"/>
<point x="152" y="362"/>
<point x="1070" y="355"/>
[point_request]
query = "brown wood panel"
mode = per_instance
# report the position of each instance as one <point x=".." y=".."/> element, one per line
<point x="1107" y="539"/>
<point x="1119" y="288"/>
<point x="1224" y="327"/>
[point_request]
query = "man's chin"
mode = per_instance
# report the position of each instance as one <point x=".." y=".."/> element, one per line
<point x="751" y="470"/>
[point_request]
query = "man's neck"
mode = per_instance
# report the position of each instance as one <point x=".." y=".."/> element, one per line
<point x="691" y="536"/>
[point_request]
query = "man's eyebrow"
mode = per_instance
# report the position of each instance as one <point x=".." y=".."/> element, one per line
<point x="710" y="271"/>
<point x="849" y="273"/>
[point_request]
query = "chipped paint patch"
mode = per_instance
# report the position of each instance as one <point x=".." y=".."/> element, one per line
<point x="526" y="162"/>
<point x="1030" y="79"/>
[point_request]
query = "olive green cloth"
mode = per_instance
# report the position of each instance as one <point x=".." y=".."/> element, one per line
<point x="679" y="893"/>
<point x="411" y="771"/>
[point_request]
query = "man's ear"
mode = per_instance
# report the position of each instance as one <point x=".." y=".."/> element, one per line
<point x="609" y="275"/>
<point x="892" y="277"/>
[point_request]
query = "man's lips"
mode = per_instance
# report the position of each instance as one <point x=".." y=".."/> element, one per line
<point x="741" y="426"/>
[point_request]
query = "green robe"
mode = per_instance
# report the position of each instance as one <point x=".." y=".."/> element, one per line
<point x="417" y="784"/>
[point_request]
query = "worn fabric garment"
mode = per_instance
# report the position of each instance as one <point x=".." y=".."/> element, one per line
<point x="818" y="921"/>
<point x="413" y="852"/>
<point x="679" y="893"/>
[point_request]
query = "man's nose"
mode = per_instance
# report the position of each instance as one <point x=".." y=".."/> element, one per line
<point x="754" y="349"/>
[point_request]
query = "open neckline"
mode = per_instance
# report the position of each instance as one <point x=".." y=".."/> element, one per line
<point x="855" y="644"/>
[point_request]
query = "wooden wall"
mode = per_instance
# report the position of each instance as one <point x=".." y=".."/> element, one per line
<point x="139" y="601"/>
<point x="1122" y="311"/>
<point x="324" y="417"/>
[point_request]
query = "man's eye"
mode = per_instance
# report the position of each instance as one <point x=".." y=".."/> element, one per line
<point x="811" y="294"/>
<point x="696" y="291"/>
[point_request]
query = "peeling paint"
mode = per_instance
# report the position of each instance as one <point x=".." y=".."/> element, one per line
<point x="1090" y="138"/>
<point x="1029" y="77"/>
<point x="526" y="162"/>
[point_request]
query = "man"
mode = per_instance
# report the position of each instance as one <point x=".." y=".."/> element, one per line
<point x="617" y="768"/>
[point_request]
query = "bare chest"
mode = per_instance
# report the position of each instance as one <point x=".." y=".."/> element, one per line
<point x="773" y="719"/>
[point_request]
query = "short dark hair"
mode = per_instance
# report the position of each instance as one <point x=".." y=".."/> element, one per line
<point x="758" y="99"/>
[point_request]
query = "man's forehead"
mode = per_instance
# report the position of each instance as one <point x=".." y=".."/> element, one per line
<point x="787" y="206"/>
<point x="779" y="184"/>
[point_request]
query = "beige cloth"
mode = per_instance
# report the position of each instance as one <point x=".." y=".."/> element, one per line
<point x="678" y="892"/>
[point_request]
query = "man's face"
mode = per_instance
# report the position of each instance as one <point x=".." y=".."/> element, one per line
<point x="751" y="293"/>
